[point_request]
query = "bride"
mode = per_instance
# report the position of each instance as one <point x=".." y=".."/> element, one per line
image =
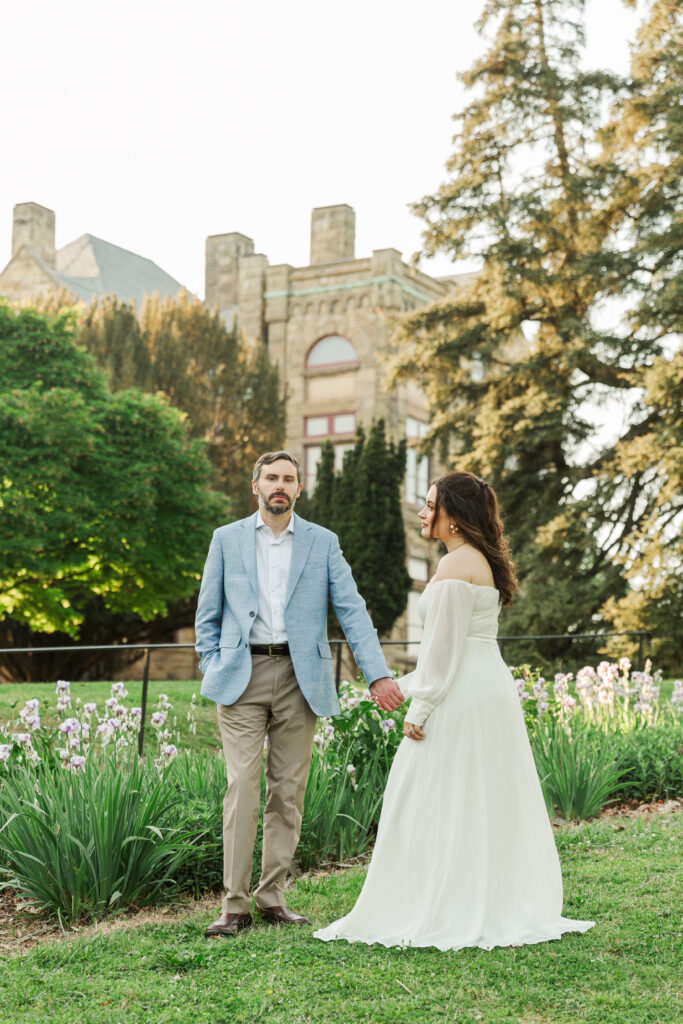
<point x="465" y="854"/>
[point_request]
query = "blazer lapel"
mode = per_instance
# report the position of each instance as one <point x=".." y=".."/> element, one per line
<point x="301" y="545"/>
<point x="248" y="550"/>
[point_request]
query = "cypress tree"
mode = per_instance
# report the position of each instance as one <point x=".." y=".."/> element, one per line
<point x="323" y="503"/>
<point x="363" y="505"/>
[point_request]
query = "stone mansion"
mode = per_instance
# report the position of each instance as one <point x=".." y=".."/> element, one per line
<point x="327" y="325"/>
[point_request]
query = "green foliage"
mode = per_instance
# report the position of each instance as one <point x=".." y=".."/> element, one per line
<point x="341" y="810"/>
<point x="644" y="140"/>
<point x="111" y="332"/>
<point x="88" y="842"/>
<point x="105" y="498"/>
<point x="228" y="391"/>
<point x="654" y="760"/>
<point x="579" y="773"/>
<point x="198" y="786"/>
<point x="351" y="762"/>
<point x="363" y="506"/>
<point x="555" y="189"/>
<point x="324" y="508"/>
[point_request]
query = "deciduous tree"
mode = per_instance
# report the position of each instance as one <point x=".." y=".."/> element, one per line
<point x="229" y="391"/>
<point x="106" y="501"/>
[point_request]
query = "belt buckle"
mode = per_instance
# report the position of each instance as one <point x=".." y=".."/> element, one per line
<point x="270" y="650"/>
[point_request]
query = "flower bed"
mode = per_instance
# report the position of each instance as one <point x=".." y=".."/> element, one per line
<point x="86" y="827"/>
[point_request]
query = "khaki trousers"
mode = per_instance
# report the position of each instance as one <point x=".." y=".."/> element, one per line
<point x="272" y="706"/>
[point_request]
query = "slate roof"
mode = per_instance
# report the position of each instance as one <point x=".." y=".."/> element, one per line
<point x="89" y="267"/>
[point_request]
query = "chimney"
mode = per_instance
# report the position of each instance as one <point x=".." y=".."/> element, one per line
<point x="223" y="256"/>
<point x="34" y="226"/>
<point x="333" y="233"/>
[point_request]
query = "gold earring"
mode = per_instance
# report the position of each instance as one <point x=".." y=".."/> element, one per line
<point x="452" y="528"/>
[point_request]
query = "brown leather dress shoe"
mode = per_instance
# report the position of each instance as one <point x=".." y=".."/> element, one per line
<point x="281" y="915"/>
<point x="228" y="924"/>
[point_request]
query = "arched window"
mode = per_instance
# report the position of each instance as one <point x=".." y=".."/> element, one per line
<point x="333" y="350"/>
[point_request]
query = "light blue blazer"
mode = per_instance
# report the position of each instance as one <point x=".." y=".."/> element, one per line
<point x="228" y="604"/>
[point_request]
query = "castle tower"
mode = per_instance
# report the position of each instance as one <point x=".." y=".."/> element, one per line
<point x="333" y="234"/>
<point x="222" y="273"/>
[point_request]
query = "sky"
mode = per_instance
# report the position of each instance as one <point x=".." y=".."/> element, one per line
<point x="154" y="123"/>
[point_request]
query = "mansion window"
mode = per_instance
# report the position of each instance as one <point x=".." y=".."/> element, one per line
<point x="418" y="570"/>
<point x="325" y="428"/>
<point x="313" y="453"/>
<point x="414" y="626"/>
<point x="328" y="426"/>
<point x="417" y="466"/>
<point x="331" y="351"/>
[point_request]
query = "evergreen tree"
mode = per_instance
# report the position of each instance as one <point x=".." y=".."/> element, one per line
<point x="375" y="539"/>
<point x="645" y="141"/>
<point x="323" y="503"/>
<point x="531" y="194"/>
<point x="363" y="505"/>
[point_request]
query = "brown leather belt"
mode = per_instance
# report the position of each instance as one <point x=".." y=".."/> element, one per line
<point x="272" y="650"/>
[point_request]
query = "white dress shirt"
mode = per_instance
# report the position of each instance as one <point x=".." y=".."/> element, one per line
<point x="273" y="559"/>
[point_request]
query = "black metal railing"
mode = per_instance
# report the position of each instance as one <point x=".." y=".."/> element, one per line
<point x="643" y="638"/>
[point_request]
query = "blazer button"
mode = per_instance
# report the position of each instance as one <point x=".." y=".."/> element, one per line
<point x="252" y="614"/>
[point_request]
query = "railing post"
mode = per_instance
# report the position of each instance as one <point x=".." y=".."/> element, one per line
<point x="643" y="638"/>
<point x="143" y="702"/>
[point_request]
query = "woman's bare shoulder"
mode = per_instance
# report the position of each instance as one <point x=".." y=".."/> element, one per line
<point x="465" y="563"/>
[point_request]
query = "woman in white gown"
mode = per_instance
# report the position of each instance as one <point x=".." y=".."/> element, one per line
<point x="465" y="854"/>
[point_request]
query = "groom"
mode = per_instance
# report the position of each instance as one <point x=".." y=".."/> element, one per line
<point x="261" y="630"/>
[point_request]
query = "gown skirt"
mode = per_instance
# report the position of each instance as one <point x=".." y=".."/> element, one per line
<point x="465" y="854"/>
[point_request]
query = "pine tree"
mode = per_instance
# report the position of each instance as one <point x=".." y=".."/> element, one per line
<point x="531" y="195"/>
<point x="645" y="140"/>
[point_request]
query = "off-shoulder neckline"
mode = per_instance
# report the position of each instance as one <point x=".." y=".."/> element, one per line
<point x="453" y="579"/>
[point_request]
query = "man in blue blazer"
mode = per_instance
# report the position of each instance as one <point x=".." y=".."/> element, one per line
<point x="261" y="631"/>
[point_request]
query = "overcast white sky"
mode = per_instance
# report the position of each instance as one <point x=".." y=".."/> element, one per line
<point x="154" y="123"/>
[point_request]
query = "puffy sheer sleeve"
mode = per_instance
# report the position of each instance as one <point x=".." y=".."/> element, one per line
<point x="446" y="626"/>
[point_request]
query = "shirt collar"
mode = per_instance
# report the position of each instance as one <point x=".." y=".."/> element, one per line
<point x="260" y="522"/>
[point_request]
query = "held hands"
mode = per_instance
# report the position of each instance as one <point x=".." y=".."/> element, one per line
<point x="388" y="697"/>
<point x="386" y="693"/>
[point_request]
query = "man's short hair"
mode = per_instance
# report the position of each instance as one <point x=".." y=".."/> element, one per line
<point x="268" y="457"/>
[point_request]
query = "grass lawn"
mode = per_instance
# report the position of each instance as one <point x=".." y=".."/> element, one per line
<point x="624" y="873"/>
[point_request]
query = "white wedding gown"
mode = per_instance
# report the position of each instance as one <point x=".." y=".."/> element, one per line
<point x="465" y="854"/>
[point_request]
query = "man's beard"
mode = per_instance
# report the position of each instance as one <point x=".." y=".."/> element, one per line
<point x="281" y="507"/>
